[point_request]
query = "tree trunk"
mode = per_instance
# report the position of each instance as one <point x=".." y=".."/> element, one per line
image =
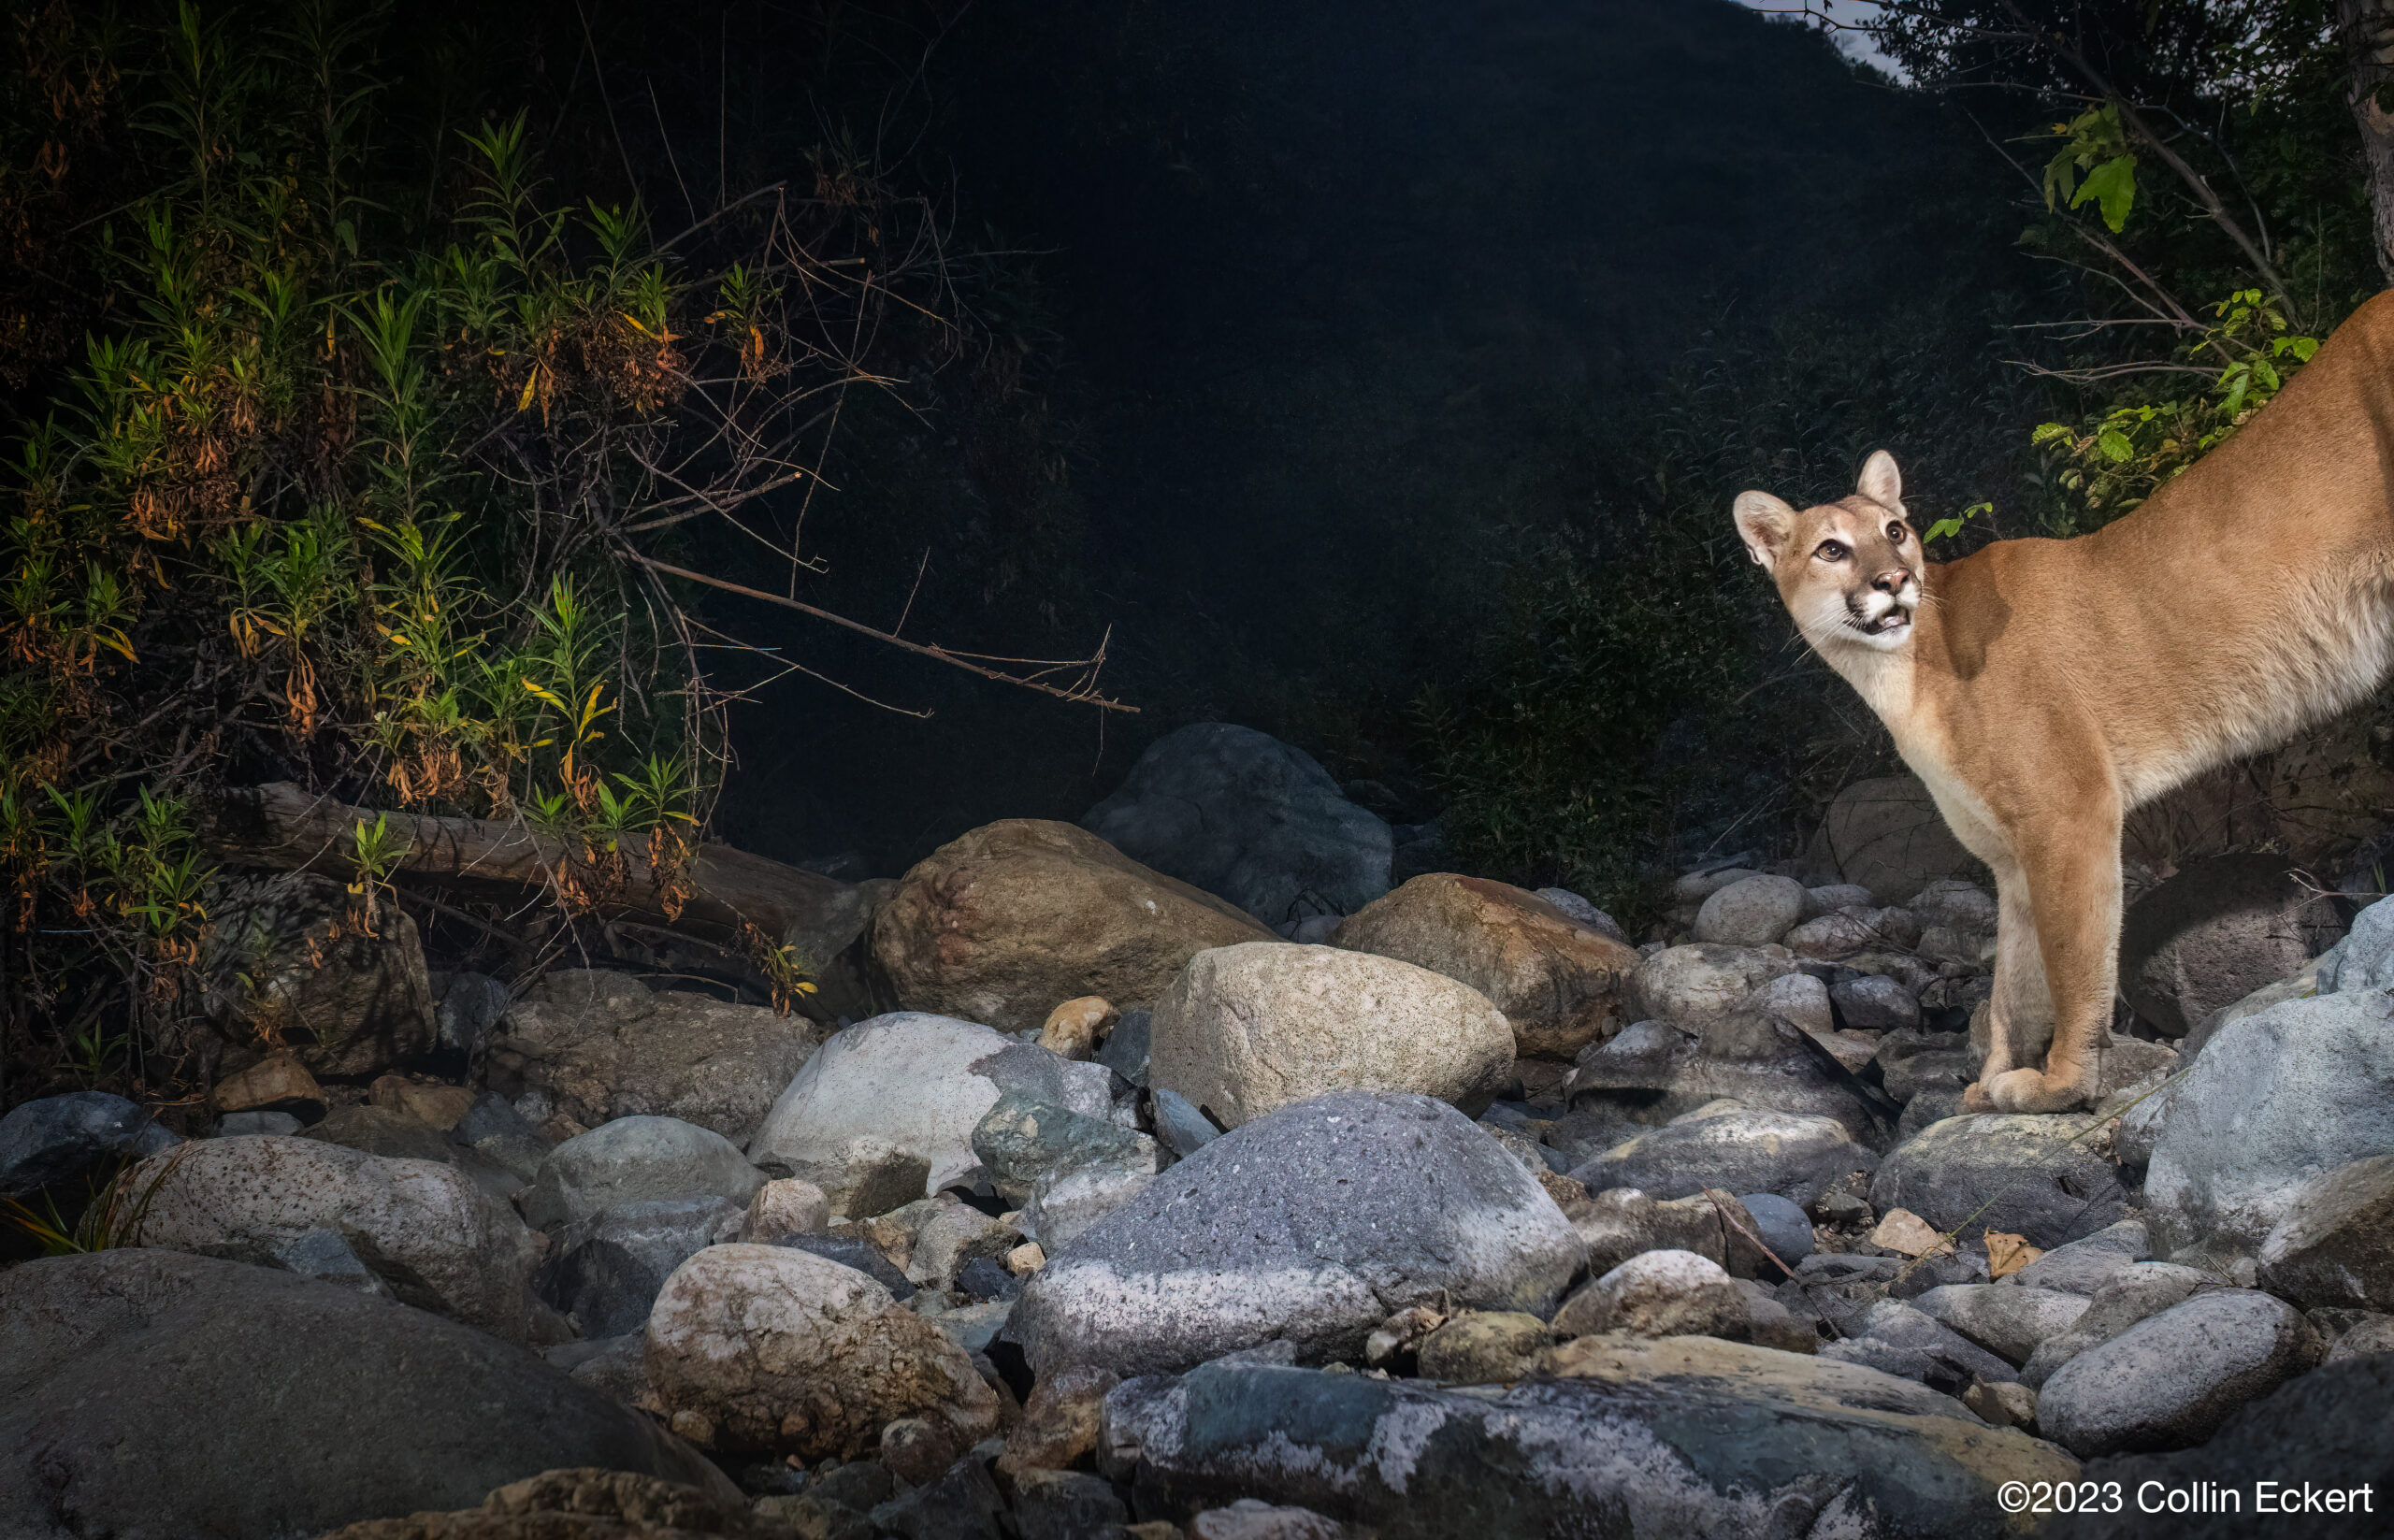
<point x="2368" y="30"/>
<point x="284" y="829"/>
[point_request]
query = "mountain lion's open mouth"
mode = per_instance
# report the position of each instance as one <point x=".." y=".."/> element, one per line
<point x="1893" y="621"/>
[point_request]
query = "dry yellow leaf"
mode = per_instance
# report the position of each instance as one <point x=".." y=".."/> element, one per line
<point x="2008" y="1254"/>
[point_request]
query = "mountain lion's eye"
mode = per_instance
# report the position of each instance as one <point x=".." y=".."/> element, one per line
<point x="1895" y="534"/>
<point x="1831" y="551"/>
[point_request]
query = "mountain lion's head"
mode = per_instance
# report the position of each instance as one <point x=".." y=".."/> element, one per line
<point x="1849" y="571"/>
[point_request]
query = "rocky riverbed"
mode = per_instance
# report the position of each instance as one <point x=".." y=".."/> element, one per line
<point x="1217" y="1173"/>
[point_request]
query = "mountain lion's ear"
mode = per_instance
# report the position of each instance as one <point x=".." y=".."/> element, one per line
<point x="1763" y="523"/>
<point x="1881" y="483"/>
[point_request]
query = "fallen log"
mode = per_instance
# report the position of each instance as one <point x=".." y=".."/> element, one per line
<point x="723" y="891"/>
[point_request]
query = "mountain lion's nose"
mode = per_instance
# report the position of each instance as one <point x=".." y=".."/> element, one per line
<point x="1891" y="583"/>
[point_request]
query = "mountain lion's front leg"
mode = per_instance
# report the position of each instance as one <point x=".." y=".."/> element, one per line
<point x="2020" y="1012"/>
<point x="2072" y="864"/>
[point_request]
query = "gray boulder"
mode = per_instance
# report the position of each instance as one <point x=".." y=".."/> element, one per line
<point x="1065" y="1171"/>
<point x="633" y="1159"/>
<point x="1735" y="1149"/>
<point x="2132" y="1294"/>
<point x="2170" y="1380"/>
<point x="1249" y="819"/>
<point x="2335" y="1247"/>
<point x="1831" y="897"/>
<point x="2222" y="928"/>
<point x="1682" y="1436"/>
<point x="1886" y="835"/>
<point x="149" y="1394"/>
<point x="2084" y="1265"/>
<point x="434" y="1240"/>
<point x="2364" y="959"/>
<point x="2272" y="1100"/>
<point x="1309" y="1227"/>
<point x="2327" y="1431"/>
<point x="1781" y="1224"/>
<point x="1586" y="913"/>
<point x="912" y="1086"/>
<point x="2004" y="1319"/>
<point x="2021" y="1174"/>
<point x="1912" y="1062"/>
<point x="604" y="1271"/>
<point x="54" y="1139"/>
<point x="1754" y="912"/>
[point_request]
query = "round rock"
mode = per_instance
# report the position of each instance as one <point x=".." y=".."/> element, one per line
<point x="1247" y="1028"/>
<point x="2172" y="1379"/>
<point x="633" y="1159"/>
<point x="771" y="1349"/>
<point x="1753" y="912"/>
<point x="2018" y="1172"/>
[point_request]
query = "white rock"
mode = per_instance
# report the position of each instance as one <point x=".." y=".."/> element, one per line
<point x="1799" y="999"/>
<point x="1693" y="985"/>
<point x="1657" y="1294"/>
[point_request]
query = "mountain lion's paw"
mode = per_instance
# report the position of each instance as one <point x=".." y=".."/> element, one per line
<point x="2029" y="1091"/>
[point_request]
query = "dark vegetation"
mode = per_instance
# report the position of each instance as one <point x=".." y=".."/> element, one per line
<point x="1376" y="376"/>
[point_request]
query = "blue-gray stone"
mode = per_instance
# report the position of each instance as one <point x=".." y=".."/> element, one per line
<point x="266" y="1121"/>
<point x="56" y="1139"/>
<point x="1183" y="1128"/>
<point x="1782" y="1224"/>
<point x="605" y="1271"/>
<point x="1125" y="1051"/>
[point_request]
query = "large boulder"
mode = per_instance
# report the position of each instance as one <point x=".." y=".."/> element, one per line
<point x="146" y="1393"/>
<point x="638" y="1159"/>
<point x="1639" y="1440"/>
<point x="1558" y="979"/>
<point x="604" y="1271"/>
<point x="2335" y="1247"/>
<point x="2015" y="1172"/>
<point x="2325" y="1432"/>
<point x="2172" y="1379"/>
<point x="55" y="1139"/>
<point x="1242" y="815"/>
<point x="603" y="1045"/>
<point x="2130" y="1295"/>
<point x="1309" y="1226"/>
<point x="1063" y="1171"/>
<point x="1249" y="1028"/>
<point x="2272" y="1100"/>
<point x="2221" y="929"/>
<point x="1887" y="836"/>
<point x="914" y="1085"/>
<point x="290" y="958"/>
<point x="771" y="1349"/>
<point x="1011" y="920"/>
<point x="1734" y="1149"/>
<point x="433" y="1237"/>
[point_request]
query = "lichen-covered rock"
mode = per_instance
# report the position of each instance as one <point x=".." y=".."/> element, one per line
<point x="603" y="1045"/>
<point x="911" y="1086"/>
<point x="1308" y="1226"/>
<point x="1657" y="1294"/>
<point x="1000" y="925"/>
<point x="1682" y="1436"/>
<point x="1558" y="981"/>
<point x="434" y="1237"/>
<point x="776" y="1350"/>
<point x="144" y="1393"/>
<point x="1239" y="813"/>
<point x="1247" y="1028"/>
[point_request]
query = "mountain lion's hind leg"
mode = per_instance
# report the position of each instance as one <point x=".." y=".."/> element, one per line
<point x="2072" y="863"/>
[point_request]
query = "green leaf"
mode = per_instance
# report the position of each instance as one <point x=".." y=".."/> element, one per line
<point x="2116" y="445"/>
<point x="2112" y="186"/>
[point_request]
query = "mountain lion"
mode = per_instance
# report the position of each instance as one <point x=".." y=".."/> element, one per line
<point x="2043" y="688"/>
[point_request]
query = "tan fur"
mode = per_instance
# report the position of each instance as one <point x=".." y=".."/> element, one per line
<point x="2044" y="688"/>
